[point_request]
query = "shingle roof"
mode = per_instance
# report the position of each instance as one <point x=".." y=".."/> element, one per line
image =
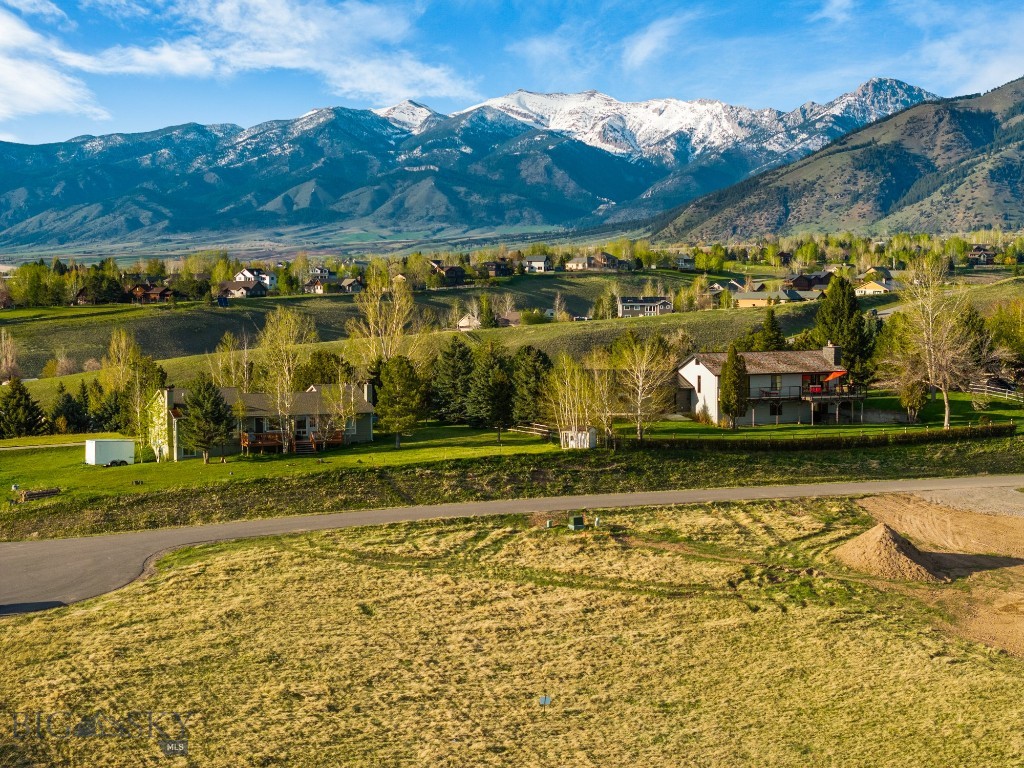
<point x="261" y="404"/>
<point x="642" y="300"/>
<point x="812" y="361"/>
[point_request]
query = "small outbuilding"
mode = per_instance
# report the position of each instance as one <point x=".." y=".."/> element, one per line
<point x="106" y="451"/>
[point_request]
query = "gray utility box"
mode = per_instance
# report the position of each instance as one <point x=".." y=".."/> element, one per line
<point x="102" y="452"/>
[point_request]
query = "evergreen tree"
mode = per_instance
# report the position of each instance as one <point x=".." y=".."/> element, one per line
<point x="841" y="322"/>
<point x="322" y="367"/>
<point x="450" y="384"/>
<point x="487" y="317"/>
<point x="208" y="418"/>
<point x="770" y="338"/>
<point x="400" y="400"/>
<point x="530" y="368"/>
<point x="20" y="415"/>
<point x="67" y="416"/>
<point x="734" y="394"/>
<point x="490" y="390"/>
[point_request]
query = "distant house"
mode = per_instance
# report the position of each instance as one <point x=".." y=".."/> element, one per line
<point x="321" y="273"/>
<point x="537" y="264"/>
<point x="982" y="255"/>
<point x="499" y="268"/>
<point x="257" y="426"/>
<point x="643" y="306"/>
<point x="350" y="285"/>
<point x="815" y="281"/>
<point x="142" y="293"/>
<point x="872" y="288"/>
<point x="579" y="264"/>
<point x="318" y="287"/>
<point x="252" y="274"/>
<point x="749" y="299"/>
<point x="753" y="286"/>
<point x="686" y="264"/>
<point x="506" y="320"/>
<point x="243" y="289"/>
<point x="783" y="387"/>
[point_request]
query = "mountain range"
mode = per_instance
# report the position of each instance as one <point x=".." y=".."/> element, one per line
<point x="525" y="159"/>
<point x="953" y="165"/>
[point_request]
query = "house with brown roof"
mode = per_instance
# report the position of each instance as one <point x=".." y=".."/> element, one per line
<point x="785" y="387"/>
<point x="766" y="298"/>
<point x="243" y="289"/>
<point x="310" y="425"/>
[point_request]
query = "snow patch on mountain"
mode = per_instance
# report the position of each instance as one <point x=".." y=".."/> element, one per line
<point x="410" y="116"/>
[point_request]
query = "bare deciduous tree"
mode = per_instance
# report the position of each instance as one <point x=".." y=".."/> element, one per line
<point x="386" y="307"/>
<point x="645" y="372"/>
<point x="122" y="355"/>
<point x="279" y="349"/>
<point x="8" y="356"/>
<point x="568" y="398"/>
<point x="938" y="343"/>
<point x="604" y="395"/>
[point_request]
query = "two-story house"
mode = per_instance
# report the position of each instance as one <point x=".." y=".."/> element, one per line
<point x="643" y="306"/>
<point x="783" y="387"/>
<point x="254" y="274"/>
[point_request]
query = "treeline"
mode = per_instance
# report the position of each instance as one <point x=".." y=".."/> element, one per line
<point x="116" y="400"/>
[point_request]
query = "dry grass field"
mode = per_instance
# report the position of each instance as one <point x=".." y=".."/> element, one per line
<point x="707" y="635"/>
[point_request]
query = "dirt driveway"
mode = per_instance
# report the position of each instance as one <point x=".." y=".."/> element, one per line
<point x="982" y="552"/>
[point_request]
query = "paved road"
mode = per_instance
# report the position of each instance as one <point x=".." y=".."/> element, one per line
<point x="35" y="575"/>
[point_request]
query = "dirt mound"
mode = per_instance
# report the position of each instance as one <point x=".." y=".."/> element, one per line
<point x="883" y="552"/>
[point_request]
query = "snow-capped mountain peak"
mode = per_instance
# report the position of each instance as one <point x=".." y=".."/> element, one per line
<point x="410" y="116"/>
<point x="663" y="128"/>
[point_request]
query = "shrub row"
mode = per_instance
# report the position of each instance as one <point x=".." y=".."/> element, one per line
<point x="827" y="442"/>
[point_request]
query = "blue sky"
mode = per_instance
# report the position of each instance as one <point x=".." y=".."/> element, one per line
<point x="100" y="66"/>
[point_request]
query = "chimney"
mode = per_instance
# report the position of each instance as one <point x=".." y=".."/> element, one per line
<point x="833" y="354"/>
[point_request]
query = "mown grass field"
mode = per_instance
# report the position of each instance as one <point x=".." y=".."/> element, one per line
<point x="711" y="635"/>
<point x="100" y="500"/>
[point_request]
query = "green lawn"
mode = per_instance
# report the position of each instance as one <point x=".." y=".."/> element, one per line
<point x="22" y="442"/>
<point x="962" y="414"/>
<point x="66" y="466"/>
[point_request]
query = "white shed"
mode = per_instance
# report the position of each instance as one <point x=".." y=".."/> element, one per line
<point x="101" y="452"/>
<point x="573" y="439"/>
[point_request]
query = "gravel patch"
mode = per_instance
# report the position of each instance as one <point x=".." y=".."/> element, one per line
<point x="986" y="501"/>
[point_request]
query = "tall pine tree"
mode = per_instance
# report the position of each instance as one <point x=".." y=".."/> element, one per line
<point x="734" y="392"/>
<point x="530" y="368"/>
<point x="770" y="338"/>
<point x="450" y="385"/>
<point x="400" y="399"/>
<point x="208" y="417"/>
<point x="20" y="415"/>
<point x="490" y="390"/>
<point x="841" y="322"/>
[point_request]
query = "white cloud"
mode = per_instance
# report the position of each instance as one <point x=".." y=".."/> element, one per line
<point x="656" y="38"/>
<point x="835" y="11"/>
<point x="43" y="8"/>
<point x="963" y="50"/>
<point x="30" y="82"/>
<point x="359" y="50"/>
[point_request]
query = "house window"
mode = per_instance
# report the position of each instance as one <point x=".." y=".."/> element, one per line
<point x="698" y="385"/>
<point x="350" y="427"/>
<point x="775" y="408"/>
<point x="777" y="382"/>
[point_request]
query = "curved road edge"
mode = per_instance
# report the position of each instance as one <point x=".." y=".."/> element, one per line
<point x="49" y="573"/>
